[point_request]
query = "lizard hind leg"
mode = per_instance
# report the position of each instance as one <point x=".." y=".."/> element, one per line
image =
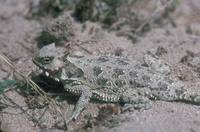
<point x="137" y="102"/>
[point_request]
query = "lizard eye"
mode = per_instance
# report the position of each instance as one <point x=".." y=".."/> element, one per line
<point x="47" y="60"/>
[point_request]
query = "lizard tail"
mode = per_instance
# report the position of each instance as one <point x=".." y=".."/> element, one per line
<point x="186" y="97"/>
<point x="191" y="98"/>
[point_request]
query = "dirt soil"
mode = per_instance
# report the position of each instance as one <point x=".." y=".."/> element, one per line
<point x="181" y="45"/>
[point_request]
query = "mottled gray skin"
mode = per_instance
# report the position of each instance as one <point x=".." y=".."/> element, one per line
<point x="112" y="79"/>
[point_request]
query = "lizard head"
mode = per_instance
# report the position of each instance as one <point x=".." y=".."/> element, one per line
<point x="50" y="58"/>
<point x="53" y="60"/>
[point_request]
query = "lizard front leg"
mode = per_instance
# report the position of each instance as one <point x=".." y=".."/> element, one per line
<point x="85" y="94"/>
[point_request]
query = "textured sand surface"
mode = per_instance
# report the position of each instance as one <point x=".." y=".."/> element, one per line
<point x="17" y="41"/>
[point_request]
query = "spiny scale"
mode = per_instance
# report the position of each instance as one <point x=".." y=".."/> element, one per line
<point x="105" y="97"/>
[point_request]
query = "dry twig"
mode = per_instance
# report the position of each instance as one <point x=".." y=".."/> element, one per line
<point x="33" y="85"/>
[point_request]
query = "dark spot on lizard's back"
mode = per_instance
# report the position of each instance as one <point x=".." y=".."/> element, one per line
<point x="121" y="62"/>
<point x="117" y="72"/>
<point x="163" y="86"/>
<point x="146" y="78"/>
<point x="167" y="79"/>
<point x="120" y="83"/>
<point x="131" y="82"/>
<point x="97" y="70"/>
<point x="102" y="59"/>
<point x="108" y="67"/>
<point x="133" y="74"/>
<point x="180" y="91"/>
<point x="102" y="81"/>
<point x="89" y="60"/>
<point x="139" y="80"/>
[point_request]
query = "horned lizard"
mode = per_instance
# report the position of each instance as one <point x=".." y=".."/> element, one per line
<point x="112" y="79"/>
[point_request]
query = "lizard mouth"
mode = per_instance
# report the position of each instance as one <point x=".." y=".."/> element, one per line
<point x="51" y="74"/>
<point x="47" y="74"/>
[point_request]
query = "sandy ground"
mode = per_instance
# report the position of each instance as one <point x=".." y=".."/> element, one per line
<point x="17" y="41"/>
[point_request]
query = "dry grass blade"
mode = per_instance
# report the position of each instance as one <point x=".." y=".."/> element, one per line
<point x="33" y="85"/>
<point x="7" y="61"/>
